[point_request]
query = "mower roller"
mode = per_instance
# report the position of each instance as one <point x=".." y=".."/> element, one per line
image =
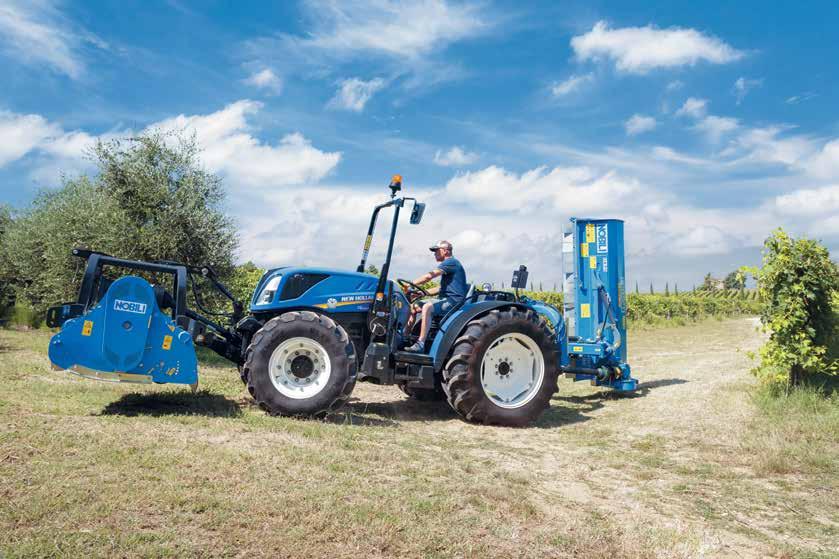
<point x="311" y="333"/>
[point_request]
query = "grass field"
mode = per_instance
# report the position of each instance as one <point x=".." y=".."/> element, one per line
<point x="697" y="464"/>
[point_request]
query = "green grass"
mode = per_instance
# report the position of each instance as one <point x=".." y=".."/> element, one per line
<point x="797" y="431"/>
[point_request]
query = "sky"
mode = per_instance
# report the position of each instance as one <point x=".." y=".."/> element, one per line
<point x="703" y="125"/>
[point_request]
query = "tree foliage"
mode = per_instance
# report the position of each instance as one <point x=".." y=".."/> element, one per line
<point x="243" y="281"/>
<point x="6" y="291"/>
<point x="150" y="200"/>
<point x="734" y="280"/>
<point x="798" y="284"/>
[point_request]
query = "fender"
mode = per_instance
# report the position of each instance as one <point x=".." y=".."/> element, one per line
<point x="451" y="329"/>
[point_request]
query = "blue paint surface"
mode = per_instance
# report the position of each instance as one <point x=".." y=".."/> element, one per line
<point x="126" y="332"/>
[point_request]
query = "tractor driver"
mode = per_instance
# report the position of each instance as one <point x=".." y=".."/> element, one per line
<point x="451" y="292"/>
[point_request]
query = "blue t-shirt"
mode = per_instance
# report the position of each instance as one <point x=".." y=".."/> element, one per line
<point x="453" y="281"/>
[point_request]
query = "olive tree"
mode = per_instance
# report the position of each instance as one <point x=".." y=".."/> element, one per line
<point x="6" y="291"/>
<point x="150" y="199"/>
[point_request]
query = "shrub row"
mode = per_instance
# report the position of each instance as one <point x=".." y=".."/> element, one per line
<point x="652" y="309"/>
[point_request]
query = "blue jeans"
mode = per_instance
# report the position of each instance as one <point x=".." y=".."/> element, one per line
<point x="442" y="306"/>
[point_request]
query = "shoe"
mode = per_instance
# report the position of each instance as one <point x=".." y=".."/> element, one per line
<point x="418" y="347"/>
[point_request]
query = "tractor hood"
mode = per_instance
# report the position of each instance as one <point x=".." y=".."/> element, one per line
<point x="325" y="288"/>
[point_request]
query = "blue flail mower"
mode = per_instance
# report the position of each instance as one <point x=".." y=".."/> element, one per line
<point x="126" y="338"/>
<point x="595" y="304"/>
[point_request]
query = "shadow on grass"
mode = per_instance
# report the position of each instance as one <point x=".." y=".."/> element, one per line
<point x="389" y="414"/>
<point x="159" y="404"/>
<point x="568" y="410"/>
<point x="577" y="408"/>
<point x="645" y="387"/>
<point x="824" y="383"/>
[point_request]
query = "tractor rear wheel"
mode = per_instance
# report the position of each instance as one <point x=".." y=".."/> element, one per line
<point x="503" y="368"/>
<point x="300" y="363"/>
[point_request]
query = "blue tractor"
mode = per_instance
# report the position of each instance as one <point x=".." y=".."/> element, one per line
<point x="312" y="333"/>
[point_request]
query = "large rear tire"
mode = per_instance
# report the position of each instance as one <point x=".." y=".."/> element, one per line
<point x="300" y="363"/>
<point x="503" y="369"/>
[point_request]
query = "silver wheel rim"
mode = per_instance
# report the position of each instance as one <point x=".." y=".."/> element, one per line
<point x="299" y="368"/>
<point x="512" y="370"/>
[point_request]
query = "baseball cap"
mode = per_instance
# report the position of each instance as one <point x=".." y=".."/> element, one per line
<point x="440" y="244"/>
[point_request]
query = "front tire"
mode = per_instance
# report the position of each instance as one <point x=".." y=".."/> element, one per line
<point x="300" y="363"/>
<point x="503" y="369"/>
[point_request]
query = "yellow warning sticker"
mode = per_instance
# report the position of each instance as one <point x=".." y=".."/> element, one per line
<point x="584" y="249"/>
<point x="167" y="342"/>
<point x="367" y="242"/>
<point x="577" y="349"/>
<point x="589" y="232"/>
<point x="585" y="310"/>
<point x="87" y="328"/>
<point x="592" y="262"/>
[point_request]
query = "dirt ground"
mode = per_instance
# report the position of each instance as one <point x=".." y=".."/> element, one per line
<point x="668" y="472"/>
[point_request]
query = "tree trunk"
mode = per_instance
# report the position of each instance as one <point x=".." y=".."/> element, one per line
<point x="796" y="375"/>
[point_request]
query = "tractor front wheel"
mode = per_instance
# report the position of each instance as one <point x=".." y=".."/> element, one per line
<point x="301" y="364"/>
<point x="503" y="369"/>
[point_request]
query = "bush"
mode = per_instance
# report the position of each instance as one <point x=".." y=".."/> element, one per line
<point x="798" y="284"/>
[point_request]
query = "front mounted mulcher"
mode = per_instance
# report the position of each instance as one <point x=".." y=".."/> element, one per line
<point x="310" y="334"/>
<point x="138" y="328"/>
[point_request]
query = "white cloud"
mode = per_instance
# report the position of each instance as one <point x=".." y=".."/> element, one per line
<point x="354" y="93"/>
<point x="693" y="107"/>
<point x="742" y="87"/>
<point x="701" y="240"/>
<point x="399" y="29"/>
<point x="715" y="127"/>
<point x="570" y="85"/>
<point x="669" y="154"/>
<point x="638" y="124"/>
<point x="796" y="99"/>
<point x="230" y="149"/>
<point x="825" y="162"/>
<point x="765" y="145"/>
<point x="23" y="133"/>
<point x="34" y="32"/>
<point x="455" y="157"/>
<point x="675" y="85"/>
<point x="401" y="40"/>
<point x="266" y="79"/>
<point x="810" y="202"/>
<point x="497" y="189"/>
<point x="641" y="49"/>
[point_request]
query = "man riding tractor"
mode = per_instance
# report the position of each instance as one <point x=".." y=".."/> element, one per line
<point x="452" y="291"/>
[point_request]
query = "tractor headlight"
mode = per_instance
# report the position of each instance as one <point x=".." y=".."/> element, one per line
<point x="267" y="294"/>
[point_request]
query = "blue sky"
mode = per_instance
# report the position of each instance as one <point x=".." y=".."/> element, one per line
<point x="702" y="125"/>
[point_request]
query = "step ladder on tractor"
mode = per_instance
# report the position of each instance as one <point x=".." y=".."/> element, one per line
<point x="311" y="333"/>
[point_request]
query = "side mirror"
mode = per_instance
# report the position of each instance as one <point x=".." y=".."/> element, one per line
<point x="416" y="214"/>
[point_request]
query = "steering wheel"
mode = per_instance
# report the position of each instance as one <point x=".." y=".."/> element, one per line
<point x="412" y="290"/>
